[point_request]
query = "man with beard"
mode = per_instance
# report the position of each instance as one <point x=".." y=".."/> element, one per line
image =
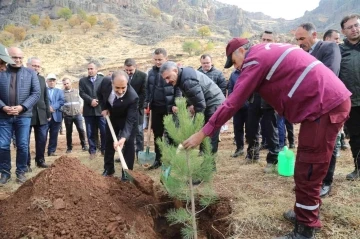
<point x="119" y="101"/>
<point x="350" y="75"/>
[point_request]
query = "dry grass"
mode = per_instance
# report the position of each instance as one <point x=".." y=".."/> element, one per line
<point x="71" y="52"/>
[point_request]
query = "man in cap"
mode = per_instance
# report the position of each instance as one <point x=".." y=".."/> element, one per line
<point x="303" y="90"/>
<point x="56" y="99"/>
<point x="19" y="92"/>
<point x="4" y="58"/>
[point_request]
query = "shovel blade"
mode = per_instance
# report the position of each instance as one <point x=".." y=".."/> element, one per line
<point x="146" y="157"/>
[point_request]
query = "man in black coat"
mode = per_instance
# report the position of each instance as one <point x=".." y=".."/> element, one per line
<point x="120" y="101"/>
<point x="202" y="93"/>
<point x="160" y="96"/>
<point x="94" y="121"/>
<point x="137" y="79"/>
<point x="40" y="117"/>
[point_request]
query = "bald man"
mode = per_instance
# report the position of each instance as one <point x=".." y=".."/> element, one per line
<point x="19" y="92"/>
<point x="120" y="101"/>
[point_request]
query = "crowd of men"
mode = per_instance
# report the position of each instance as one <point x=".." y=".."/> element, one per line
<point x="272" y="86"/>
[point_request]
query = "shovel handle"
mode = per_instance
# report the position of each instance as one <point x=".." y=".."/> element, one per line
<point x="122" y="160"/>
<point x="149" y="130"/>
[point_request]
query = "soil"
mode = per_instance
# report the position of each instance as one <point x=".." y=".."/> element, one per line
<point x="68" y="200"/>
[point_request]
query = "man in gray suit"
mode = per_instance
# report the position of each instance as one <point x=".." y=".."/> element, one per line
<point x="94" y="121"/>
<point x="19" y="92"/>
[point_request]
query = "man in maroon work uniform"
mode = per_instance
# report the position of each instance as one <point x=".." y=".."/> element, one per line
<point x="303" y="90"/>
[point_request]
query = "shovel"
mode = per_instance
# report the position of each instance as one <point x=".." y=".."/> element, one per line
<point x="147" y="158"/>
<point x="122" y="160"/>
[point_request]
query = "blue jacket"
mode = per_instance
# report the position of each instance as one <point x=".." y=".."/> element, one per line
<point x="27" y="90"/>
<point x="56" y="101"/>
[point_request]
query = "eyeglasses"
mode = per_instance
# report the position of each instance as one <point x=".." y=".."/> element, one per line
<point x="35" y="66"/>
<point x="356" y="25"/>
<point x="17" y="57"/>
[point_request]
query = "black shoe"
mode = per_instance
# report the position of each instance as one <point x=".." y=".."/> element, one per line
<point x="108" y="173"/>
<point x="155" y="165"/>
<point x="290" y="216"/>
<point x="291" y="146"/>
<point x="237" y="153"/>
<point x="354" y="175"/>
<point x="300" y="232"/>
<point x="117" y="160"/>
<point x="41" y="164"/>
<point x="28" y="169"/>
<point x="52" y="154"/>
<point x="325" y="190"/>
<point x="20" y="178"/>
<point x="4" y="179"/>
<point x="68" y="151"/>
<point x="344" y="146"/>
<point x="85" y="148"/>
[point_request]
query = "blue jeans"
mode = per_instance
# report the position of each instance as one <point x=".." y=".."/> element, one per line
<point x="21" y="126"/>
<point x="282" y="132"/>
<point x="40" y="133"/>
<point x="93" y="124"/>
<point x="54" y="129"/>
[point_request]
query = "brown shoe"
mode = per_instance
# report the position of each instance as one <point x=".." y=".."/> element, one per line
<point x="92" y="156"/>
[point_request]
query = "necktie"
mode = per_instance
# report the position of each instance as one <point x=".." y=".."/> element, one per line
<point x="115" y="98"/>
<point x="92" y="79"/>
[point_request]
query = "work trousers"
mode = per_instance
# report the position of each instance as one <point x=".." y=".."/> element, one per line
<point x="316" y="144"/>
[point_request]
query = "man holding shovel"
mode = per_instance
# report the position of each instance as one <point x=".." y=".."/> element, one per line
<point x="120" y="101"/>
<point x="303" y="90"/>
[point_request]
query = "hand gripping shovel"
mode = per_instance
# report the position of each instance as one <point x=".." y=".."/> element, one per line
<point x="122" y="160"/>
<point x="147" y="158"/>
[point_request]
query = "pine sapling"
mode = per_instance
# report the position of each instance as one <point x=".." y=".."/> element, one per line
<point x="183" y="167"/>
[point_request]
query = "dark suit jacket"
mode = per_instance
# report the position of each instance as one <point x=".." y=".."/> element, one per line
<point x="123" y="113"/>
<point x="329" y="54"/>
<point x="87" y="91"/>
<point x="138" y="82"/>
<point x="41" y="111"/>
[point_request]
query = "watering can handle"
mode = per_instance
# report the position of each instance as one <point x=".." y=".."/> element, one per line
<point x="122" y="160"/>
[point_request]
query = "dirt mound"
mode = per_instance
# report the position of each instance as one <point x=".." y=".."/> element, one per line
<point x="68" y="200"/>
<point x="71" y="201"/>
